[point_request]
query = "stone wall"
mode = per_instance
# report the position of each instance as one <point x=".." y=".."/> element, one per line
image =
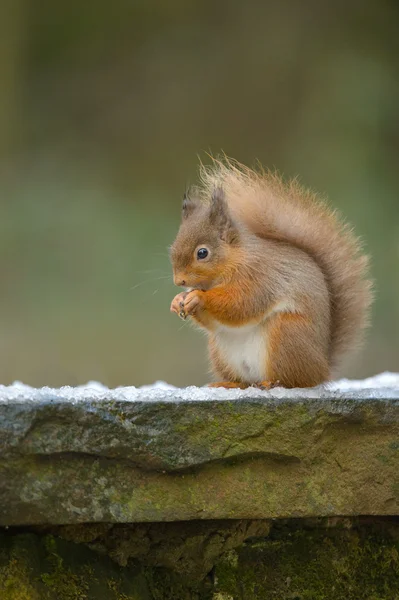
<point x="166" y="494"/>
<point x="318" y="559"/>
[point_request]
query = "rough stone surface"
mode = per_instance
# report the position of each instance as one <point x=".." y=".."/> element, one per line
<point x="188" y="548"/>
<point x="306" y="559"/>
<point x="98" y="455"/>
<point x="36" y="567"/>
<point x="299" y="562"/>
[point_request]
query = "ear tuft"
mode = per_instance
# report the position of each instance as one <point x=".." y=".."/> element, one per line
<point x="188" y="205"/>
<point x="220" y="217"/>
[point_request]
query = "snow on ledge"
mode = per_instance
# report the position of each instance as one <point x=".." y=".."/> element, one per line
<point x="373" y="387"/>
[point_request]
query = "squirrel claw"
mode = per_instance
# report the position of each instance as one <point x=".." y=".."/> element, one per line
<point x="267" y="385"/>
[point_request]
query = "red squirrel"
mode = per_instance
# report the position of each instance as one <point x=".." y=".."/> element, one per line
<point x="272" y="274"/>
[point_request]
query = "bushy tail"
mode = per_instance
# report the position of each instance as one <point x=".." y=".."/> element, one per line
<point x="285" y="211"/>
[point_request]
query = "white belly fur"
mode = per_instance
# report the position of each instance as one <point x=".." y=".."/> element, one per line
<point x="244" y="350"/>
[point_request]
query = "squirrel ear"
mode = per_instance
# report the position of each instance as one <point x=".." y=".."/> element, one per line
<point x="220" y="217"/>
<point x="188" y="205"/>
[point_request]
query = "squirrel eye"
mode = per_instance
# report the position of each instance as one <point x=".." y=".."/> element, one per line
<point x="202" y="253"/>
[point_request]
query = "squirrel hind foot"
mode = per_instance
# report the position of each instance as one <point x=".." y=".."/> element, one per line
<point x="229" y="385"/>
<point x="262" y="385"/>
<point x="267" y="385"/>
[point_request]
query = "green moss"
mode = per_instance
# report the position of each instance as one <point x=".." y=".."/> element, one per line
<point x="167" y="585"/>
<point x="16" y="572"/>
<point x="46" y="568"/>
<point x="305" y="559"/>
<point x="62" y="581"/>
<point x="15" y="583"/>
<point x="315" y="564"/>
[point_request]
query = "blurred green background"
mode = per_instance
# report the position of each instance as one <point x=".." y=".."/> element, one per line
<point x="104" y="109"/>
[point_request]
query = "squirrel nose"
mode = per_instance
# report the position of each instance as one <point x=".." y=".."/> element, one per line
<point x="179" y="282"/>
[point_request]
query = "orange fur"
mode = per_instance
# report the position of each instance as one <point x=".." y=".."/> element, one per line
<point x="224" y="304"/>
<point x="282" y="291"/>
<point x="287" y="212"/>
<point x="295" y="356"/>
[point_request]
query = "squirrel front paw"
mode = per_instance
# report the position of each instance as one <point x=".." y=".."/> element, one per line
<point x="178" y="303"/>
<point x="192" y="302"/>
<point x="186" y="303"/>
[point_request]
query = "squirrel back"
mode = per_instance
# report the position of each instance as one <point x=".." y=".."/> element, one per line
<point x="286" y="212"/>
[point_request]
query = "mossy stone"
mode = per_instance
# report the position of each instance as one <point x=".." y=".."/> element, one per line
<point x="36" y="567"/>
<point x="313" y="564"/>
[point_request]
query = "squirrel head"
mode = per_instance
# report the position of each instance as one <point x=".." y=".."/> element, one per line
<point x="202" y="248"/>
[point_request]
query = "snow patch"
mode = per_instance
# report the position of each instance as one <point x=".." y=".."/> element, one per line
<point x="161" y="391"/>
